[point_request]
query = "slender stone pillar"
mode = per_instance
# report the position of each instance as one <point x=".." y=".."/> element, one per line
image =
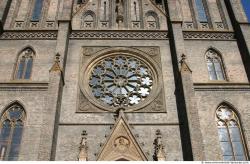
<point x="51" y="114"/>
<point x="191" y="135"/>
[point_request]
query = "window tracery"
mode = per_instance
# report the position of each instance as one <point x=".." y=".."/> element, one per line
<point x="24" y="64"/>
<point x="215" y="65"/>
<point x="230" y="134"/>
<point x="11" y="126"/>
<point x="121" y="81"/>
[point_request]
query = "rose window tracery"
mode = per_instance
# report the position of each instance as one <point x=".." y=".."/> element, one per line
<point x="121" y="81"/>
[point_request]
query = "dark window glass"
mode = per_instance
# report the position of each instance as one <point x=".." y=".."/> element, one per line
<point x="214" y="65"/>
<point x="37" y="10"/>
<point x="16" y="140"/>
<point x="25" y="63"/>
<point x="230" y="138"/>
<point x="211" y="70"/>
<point x="11" y="133"/>
<point x="21" y="68"/>
<point x="202" y="17"/>
<point x="28" y="68"/>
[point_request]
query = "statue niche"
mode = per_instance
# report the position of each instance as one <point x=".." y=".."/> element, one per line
<point x="119" y="10"/>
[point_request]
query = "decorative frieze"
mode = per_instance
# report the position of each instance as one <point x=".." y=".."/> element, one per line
<point x="123" y="35"/>
<point x="193" y="35"/>
<point x="29" y="35"/>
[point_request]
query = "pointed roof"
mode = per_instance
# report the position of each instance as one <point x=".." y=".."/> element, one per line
<point x="184" y="65"/>
<point x="121" y="144"/>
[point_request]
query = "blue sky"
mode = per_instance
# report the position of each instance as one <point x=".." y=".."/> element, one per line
<point x="246" y="4"/>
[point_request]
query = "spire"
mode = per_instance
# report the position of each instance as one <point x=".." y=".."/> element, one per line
<point x="56" y="66"/>
<point x="184" y="65"/>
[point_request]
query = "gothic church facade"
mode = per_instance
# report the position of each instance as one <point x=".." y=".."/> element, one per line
<point x="136" y="80"/>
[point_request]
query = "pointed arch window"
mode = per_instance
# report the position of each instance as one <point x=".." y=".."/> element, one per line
<point x="230" y="134"/>
<point x="202" y="16"/>
<point x="24" y="64"/>
<point x="11" y="129"/>
<point x="215" y="65"/>
<point x="37" y="11"/>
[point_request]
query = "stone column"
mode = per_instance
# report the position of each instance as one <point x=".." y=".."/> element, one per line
<point x="191" y="136"/>
<point x="51" y="114"/>
<point x="4" y="9"/>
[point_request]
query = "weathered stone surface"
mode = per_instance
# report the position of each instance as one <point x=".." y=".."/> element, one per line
<point x="68" y="39"/>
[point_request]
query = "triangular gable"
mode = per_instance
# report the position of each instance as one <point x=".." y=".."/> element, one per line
<point x="121" y="145"/>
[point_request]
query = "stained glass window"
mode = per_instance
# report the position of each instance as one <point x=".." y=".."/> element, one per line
<point x="121" y="81"/>
<point x="230" y="134"/>
<point x="215" y="66"/>
<point x="202" y="17"/>
<point x="37" y="10"/>
<point x="24" y="64"/>
<point x="11" y="132"/>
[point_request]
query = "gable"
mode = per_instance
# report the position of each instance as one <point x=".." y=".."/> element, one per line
<point x="121" y="145"/>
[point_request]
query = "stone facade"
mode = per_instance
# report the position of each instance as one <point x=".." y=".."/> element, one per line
<point x="171" y="116"/>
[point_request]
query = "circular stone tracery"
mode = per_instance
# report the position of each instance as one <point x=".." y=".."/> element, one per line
<point x="121" y="81"/>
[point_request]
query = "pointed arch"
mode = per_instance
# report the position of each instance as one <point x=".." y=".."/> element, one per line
<point x="152" y="20"/>
<point x="24" y="64"/>
<point x="215" y="65"/>
<point x="11" y="129"/>
<point x="230" y="133"/>
<point x="88" y="20"/>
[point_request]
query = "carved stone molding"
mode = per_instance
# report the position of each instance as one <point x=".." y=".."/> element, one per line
<point x="123" y="35"/>
<point x="193" y="35"/>
<point x="223" y="86"/>
<point x="23" y="86"/>
<point x="29" y="35"/>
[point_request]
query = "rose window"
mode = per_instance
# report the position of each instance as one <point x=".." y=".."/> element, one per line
<point x="121" y="81"/>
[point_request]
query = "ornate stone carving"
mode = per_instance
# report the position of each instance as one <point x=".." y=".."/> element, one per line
<point x="85" y="105"/>
<point x="83" y="154"/>
<point x="159" y="154"/>
<point x="56" y="66"/>
<point x="99" y="93"/>
<point x="121" y="144"/>
<point x="184" y="66"/>
<point x="157" y="105"/>
<point x="19" y="35"/>
<point x="209" y="35"/>
<point x="127" y="35"/>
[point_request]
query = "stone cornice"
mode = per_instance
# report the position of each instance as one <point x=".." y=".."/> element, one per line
<point x="121" y="35"/>
<point x="29" y="35"/>
<point x="226" y="86"/>
<point x="208" y="35"/>
<point x="23" y="86"/>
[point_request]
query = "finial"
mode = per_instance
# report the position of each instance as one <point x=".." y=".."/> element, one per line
<point x="159" y="154"/>
<point x="83" y="154"/>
